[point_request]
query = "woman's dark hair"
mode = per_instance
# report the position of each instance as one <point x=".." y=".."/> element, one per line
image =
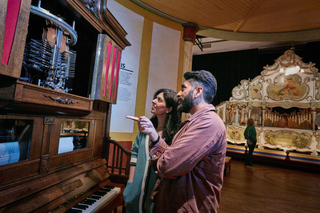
<point x="250" y="122"/>
<point x="172" y="121"/>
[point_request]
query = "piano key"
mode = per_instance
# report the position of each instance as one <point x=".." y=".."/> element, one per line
<point x="108" y="194"/>
<point x="73" y="211"/>
<point x="99" y="193"/>
<point x="87" y="202"/>
<point x="94" y="197"/>
<point x="79" y="206"/>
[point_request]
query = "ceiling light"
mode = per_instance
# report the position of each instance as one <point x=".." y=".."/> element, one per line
<point x="292" y="67"/>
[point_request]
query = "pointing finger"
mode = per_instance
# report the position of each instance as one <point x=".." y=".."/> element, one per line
<point x="132" y="118"/>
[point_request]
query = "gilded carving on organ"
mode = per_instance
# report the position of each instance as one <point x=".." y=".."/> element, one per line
<point x="256" y="91"/>
<point x="243" y="113"/>
<point x="231" y="108"/>
<point x="318" y="141"/>
<point x="318" y="90"/>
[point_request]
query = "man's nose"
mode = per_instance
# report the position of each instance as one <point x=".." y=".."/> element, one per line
<point x="179" y="94"/>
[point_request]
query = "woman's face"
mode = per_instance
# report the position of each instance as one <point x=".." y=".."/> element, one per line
<point x="159" y="106"/>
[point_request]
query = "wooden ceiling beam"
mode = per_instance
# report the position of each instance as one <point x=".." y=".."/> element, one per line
<point x="249" y="14"/>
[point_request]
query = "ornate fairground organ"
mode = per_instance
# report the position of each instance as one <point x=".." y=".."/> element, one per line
<point x="284" y="102"/>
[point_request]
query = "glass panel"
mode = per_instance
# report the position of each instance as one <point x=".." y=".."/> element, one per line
<point x="56" y="56"/>
<point x="73" y="135"/>
<point x="15" y="140"/>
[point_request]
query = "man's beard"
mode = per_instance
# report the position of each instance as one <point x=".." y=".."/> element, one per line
<point x="187" y="103"/>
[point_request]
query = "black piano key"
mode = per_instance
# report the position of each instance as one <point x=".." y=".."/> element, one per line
<point x="88" y="202"/>
<point x="79" y="206"/>
<point x="99" y="193"/>
<point x="94" y="197"/>
<point x="104" y="190"/>
<point x="73" y="211"/>
<point x="108" y="187"/>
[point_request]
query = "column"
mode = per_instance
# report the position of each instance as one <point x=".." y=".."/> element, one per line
<point x="313" y="122"/>
<point x="263" y="115"/>
<point x="189" y="37"/>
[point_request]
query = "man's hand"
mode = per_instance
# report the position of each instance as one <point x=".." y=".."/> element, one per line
<point x="145" y="126"/>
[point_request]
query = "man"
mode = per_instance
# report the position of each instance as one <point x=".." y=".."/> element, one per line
<point x="191" y="169"/>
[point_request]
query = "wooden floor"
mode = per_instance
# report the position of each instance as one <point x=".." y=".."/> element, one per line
<point x="266" y="189"/>
<point x="269" y="189"/>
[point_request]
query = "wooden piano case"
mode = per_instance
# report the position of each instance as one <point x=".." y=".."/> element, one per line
<point x="51" y="137"/>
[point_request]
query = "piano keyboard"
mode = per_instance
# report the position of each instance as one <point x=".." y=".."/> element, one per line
<point x="94" y="201"/>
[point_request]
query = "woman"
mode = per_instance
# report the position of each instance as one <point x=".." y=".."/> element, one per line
<point x="142" y="178"/>
<point x="251" y="136"/>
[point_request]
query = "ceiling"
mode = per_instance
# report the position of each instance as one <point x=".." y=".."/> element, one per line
<point x="229" y="25"/>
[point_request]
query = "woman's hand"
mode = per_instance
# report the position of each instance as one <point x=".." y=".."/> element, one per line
<point x="145" y="126"/>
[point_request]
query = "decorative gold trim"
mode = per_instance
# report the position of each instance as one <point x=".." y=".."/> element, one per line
<point x="256" y="88"/>
<point x="241" y="91"/>
<point x="317" y="86"/>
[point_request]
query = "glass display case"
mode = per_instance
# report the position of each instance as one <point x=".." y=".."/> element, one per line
<point x="73" y="135"/>
<point x="15" y="140"/>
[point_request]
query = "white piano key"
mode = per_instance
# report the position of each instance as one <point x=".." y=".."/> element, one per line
<point x="96" y="205"/>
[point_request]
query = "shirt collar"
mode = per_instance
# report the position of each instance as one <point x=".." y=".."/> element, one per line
<point x="202" y="110"/>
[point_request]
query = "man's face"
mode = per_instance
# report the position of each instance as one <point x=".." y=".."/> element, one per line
<point x="185" y="97"/>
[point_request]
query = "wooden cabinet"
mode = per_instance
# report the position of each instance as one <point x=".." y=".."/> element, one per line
<point x="40" y="94"/>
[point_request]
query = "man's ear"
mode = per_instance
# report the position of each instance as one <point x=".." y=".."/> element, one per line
<point x="198" y="92"/>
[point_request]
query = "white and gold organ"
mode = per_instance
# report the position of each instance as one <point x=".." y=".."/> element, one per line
<point x="284" y="102"/>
